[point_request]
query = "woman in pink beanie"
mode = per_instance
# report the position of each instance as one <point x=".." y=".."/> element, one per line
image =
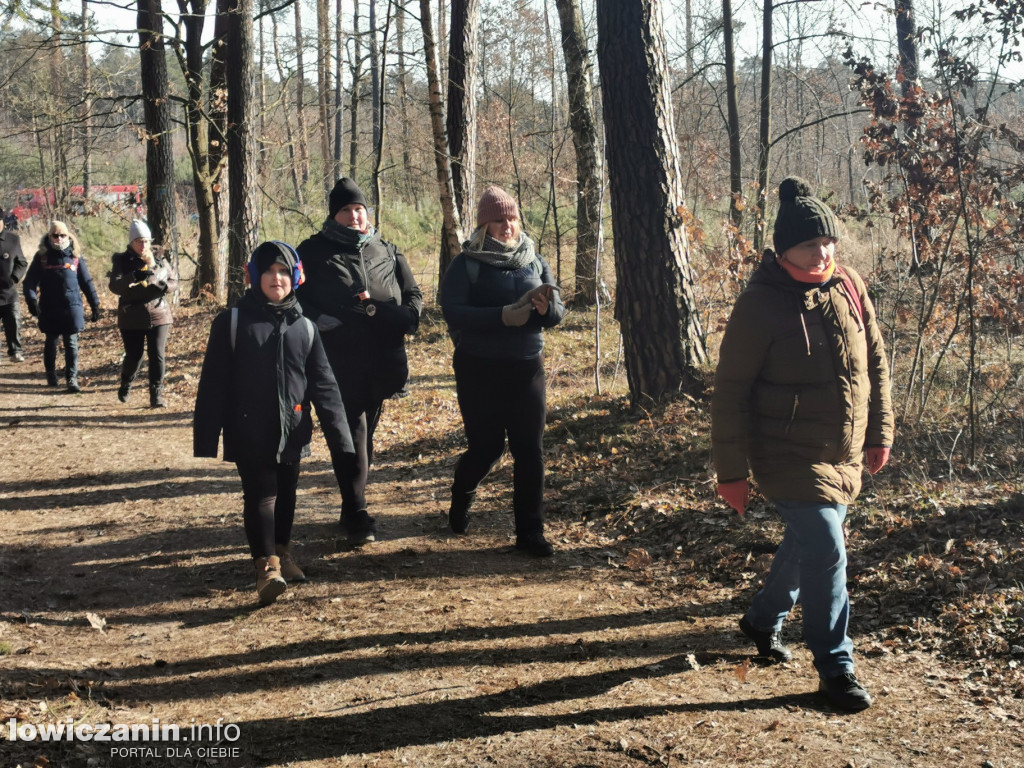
<point x="498" y="296"/>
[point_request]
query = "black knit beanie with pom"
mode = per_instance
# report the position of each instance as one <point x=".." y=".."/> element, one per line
<point x="801" y="216"/>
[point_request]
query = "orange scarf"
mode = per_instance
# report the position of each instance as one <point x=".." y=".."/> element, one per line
<point x="806" y="276"/>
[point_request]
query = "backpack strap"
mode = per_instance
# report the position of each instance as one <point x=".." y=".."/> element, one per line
<point x="852" y="295"/>
<point x="308" y="325"/>
<point x="234" y="326"/>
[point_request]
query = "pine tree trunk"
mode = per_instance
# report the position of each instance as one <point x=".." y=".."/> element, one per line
<point x="300" y="94"/>
<point x="733" y="111"/>
<point x="86" y="107"/>
<point x="160" y="195"/>
<point x="584" y="139"/>
<point x="655" y="305"/>
<point x="461" y="118"/>
<point x="323" y="80"/>
<point x="764" y="132"/>
<point x="211" y="275"/>
<point x="293" y="161"/>
<point x="353" y="106"/>
<point x="242" y="222"/>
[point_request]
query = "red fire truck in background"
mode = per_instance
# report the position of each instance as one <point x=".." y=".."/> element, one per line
<point x="41" y="201"/>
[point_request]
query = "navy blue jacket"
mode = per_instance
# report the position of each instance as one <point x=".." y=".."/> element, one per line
<point x="54" y="286"/>
<point x="259" y="393"/>
<point x="472" y="309"/>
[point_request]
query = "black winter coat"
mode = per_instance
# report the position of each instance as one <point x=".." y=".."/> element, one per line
<point x="13" y="266"/>
<point x="54" y="286"/>
<point x="259" y="393"/>
<point x="141" y="304"/>
<point x="367" y="340"/>
<point x="472" y="309"/>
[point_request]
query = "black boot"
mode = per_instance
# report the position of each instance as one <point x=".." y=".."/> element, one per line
<point x="458" y="513"/>
<point x="156" y="396"/>
<point x="123" y="390"/>
<point x="534" y="544"/>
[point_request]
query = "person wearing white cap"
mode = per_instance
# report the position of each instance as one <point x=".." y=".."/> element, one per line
<point x="142" y="278"/>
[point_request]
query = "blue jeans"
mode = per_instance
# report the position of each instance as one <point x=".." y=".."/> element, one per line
<point x="810" y="566"/>
<point x="70" y="356"/>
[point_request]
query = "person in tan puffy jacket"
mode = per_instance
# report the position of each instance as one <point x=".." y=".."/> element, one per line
<point x="801" y="397"/>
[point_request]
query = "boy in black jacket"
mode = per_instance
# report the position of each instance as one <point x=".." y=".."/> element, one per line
<point x="264" y="364"/>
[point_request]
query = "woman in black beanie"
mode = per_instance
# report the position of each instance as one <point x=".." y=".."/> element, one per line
<point x="362" y="295"/>
<point x="802" y="403"/>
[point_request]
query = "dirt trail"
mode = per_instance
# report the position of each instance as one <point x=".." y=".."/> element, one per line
<point x="422" y="649"/>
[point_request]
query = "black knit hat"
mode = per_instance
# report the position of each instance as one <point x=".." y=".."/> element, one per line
<point x="801" y="216"/>
<point x="345" y="192"/>
<point x="269" y="253"/>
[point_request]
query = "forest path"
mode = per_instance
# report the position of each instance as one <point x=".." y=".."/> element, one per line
<point x="423" y="648"/>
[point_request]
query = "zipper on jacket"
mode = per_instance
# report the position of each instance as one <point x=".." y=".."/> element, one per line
<point x="807" y="336"/>
<point x="792" y="415"/>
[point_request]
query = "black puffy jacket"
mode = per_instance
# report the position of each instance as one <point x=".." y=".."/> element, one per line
<point x="362" y="343"/>
<point x="13" y="265"/>
<point x="258" y="390"/>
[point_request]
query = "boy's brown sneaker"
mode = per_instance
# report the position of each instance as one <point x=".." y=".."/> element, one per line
<point x="269" y="581"/>
<point x="289" y="568"/>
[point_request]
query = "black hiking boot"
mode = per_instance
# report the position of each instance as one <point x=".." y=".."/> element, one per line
<point x="359" y="528"/>
<point x="769" y="644"/>
<point x="458" y="513"/>
<point x="156" y="396"/>
<point x="535" y="544"/>
<point x="845" y="692"/>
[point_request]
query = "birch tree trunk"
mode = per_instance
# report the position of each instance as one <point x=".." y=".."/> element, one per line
<point x="452" y="225"/>
<point x="662" y="339"/>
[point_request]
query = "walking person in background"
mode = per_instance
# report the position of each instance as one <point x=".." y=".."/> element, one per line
<point x="142" y="280"/>
<point x="264" y="364"/>
<point x="13" y="265"/>
<point x="56" y="280"/>
<point x="498" y="296"/>
<point x="362" y="295"/>
<point x="801" y="396"/>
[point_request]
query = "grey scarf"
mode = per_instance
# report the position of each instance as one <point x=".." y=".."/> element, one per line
<point x="504" y="255"/>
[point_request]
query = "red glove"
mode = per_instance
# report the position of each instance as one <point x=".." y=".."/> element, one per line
<point x="735" y="494"/>
<point x="878" y="457"/>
